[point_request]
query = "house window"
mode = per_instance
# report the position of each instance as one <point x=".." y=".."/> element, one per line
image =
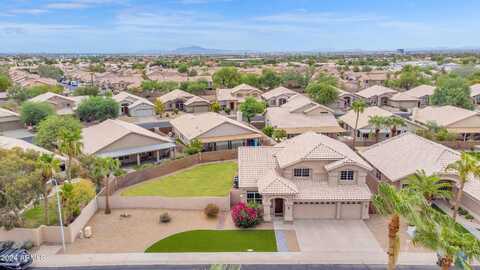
<point x="378" y="174"/>
<point x="301" y="172"/>
<point x="254" y="197"/>
<point x="346" y="175"/>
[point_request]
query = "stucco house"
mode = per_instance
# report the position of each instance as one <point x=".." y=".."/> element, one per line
<point x="423" y="93"/>
<point x="232" y="97"/>
<point x="399" y="157"/>
<point x="278" y="96"/>
<point x="463" y="122"/>
<point x="300" y="114"/>
<point x="403" y="101"/>
<point x="127" y="142"/>
<point x="184" y="101"/>
<point x="215" y="131"/>
<point x="9" y="120"/>
<point x="365" y="130"/>
<point x="63" y="105"/>
<point x="133" y="105"/>
<point x="475" y="93"/>
<point x="197" y="104"/>
<point x="345" y="99"/>
<point x="377" y="95"/>
<point x="11" y="143"/>
<point x="310" y="176"/>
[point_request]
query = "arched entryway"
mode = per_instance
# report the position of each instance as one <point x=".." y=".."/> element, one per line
<point x="278" y="207"/>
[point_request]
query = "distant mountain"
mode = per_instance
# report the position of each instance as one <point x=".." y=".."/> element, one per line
<point x="199" y="50"/>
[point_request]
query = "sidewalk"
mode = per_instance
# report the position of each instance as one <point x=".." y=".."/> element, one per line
<point x="231" y="258"/>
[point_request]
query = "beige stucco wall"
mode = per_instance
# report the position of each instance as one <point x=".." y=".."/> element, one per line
<point x="403" y="104"/>
<point x="318" y="168"/>
<point x="225" y="129"/>
<point x="130" y="141"/>
<point x="471" y="122"/>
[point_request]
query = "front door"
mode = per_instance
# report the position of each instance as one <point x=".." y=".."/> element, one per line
<point x="279" y="207"/>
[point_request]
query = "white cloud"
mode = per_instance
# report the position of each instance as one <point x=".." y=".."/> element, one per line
<point x="29" y="11"/>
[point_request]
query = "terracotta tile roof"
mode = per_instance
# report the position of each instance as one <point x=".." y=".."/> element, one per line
<point x="196" y="99"/>
<point x="122" y="96"/>
<point x="376" y="90"/>
<point x="315" y="190"/>
<point x="421" y="91"/>
<point x="175" y="94"/>
<point x="254" y="162"/>
<point x="273" y="183"/>
<point x="279" y="91"/>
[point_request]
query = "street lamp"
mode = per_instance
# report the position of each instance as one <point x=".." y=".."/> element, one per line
<point x="59" y="207"/>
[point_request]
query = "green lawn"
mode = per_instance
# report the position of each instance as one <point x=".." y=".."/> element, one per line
<point x="33" y="217"/>
<point x="218" y="241"/>
<point x="214" y="179"/>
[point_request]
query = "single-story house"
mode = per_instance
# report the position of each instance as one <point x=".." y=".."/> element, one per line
<point x="345" y="99"/>
<point x="399" y="157"/>
<point x="215" y="131"/>
<point x="133" y="105"/>
<point x="231" y="98"/>
<point x="63" y="105"/>
<point x="11" y="143"/>
<point x="365" y="130"/>
<point x="300" y="114"/>
<point x="403" y="101"/>
<point x="377" y="95"/>
<point x="278" y="96"/>
<point x="197" y="104"/>
<point x="9" y="120"/>
<point x="423" y="93"/>
<point x="310" y="176"/>
<point x="463" y="122"/>
<point x="475" y="93"/>
<point x="127" y="142"/>
<point x="175" y="99"/>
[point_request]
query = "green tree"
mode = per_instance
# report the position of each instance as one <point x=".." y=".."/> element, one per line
<point x="48" y="131"/>
<point x="48" y="166"/>
<point x="395" y="204"/>
<point x="250" y="79"/>
<point x="467" y="166"/>
<point x="377" y="123"/>
<point x="323" y="89"/>
<point x="49" y="71"/>
<point x="5" y="83"/>
<point x="215" y="107"/>
<point x="430" y="186"/>
<point x="226" y="77"/>
<point x="268" y="130"/>
<point x="279" y="134"/>
<point x="159" y="107"/>
<point x="452" y="90"/>
<point x="294" y="79"/>
<point x="31" y="113"/>
<point x="70" y="144"/>
<point x="195" y="146"/>
<point x="97" y="109"/>
<point x="270" y="79"/>
<point x="88" y="90"/>
<point x="251" y="107"/>
<point x="358" y="107"/>
<point x="182" y="68"/>
<point x="394" y="122"/>
<point x="97" y="68"/>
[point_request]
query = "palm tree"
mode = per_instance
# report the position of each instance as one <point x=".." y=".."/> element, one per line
<point x="430" y="186"/>
<point x="440" y="233"/>
<point x="69" y="144"/>
<point x="393" y="203"/>
<point x="107" y="167"/>
<point x="466" y="167"/>
<point x="393" y="122"/>
<point x="48" y="166"/>
<point x="358" y="107"/>
<point x="377" y="122"/>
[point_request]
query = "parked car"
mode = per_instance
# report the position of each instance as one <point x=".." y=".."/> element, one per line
<point x="15" y="259"/>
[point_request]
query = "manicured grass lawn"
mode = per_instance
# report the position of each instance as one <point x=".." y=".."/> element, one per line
<point x="217" y="241"/>
<point x="33" y="217"/>
<point x="459" y="226"/>
<point x="214" y="179"/>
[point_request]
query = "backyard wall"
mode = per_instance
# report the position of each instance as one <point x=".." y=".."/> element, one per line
<point x="169" y="167"/>
<point x="51" y="234"/>
<point x="195" y="203"/>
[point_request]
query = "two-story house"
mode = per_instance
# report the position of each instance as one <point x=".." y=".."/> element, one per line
<point x="310" y="176"/>
<point x="232" y="97"/>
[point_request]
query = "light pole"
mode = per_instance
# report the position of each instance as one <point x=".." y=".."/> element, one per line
<point x="59" y="207"/>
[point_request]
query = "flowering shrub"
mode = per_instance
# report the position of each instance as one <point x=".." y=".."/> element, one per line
<point x="244" y="216"/>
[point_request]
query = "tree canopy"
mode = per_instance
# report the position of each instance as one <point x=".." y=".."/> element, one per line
<point x="31" y="113"/>
<point x="49" y="130"/>
<point x="97" y="109"/>
<point x="452" y="90"/>
<point x="5" y="82"/>
<point x="251" y="107"/>
<point x="49" y="71"/>
<point x="226" y="77"/>
<point x="88" y="90"/>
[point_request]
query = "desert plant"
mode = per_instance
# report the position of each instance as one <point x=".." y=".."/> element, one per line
<point x="211" y="210"/>
<point x="165" y="218"/>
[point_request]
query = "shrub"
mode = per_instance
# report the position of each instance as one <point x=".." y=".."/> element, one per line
<point x="268" y="130"/>
<point x="165" y="218"/>
<point x="33" y="113"/>
<point x="244" y="216"/>
<point x="468" y="217"/>
<point x="462" y="211"/>
<point x="97" y="108"/>
<point x="194" y="147"/>
<point x="211" y="210"/>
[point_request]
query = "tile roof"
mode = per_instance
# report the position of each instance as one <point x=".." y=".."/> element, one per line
<point x="47" y="96"/>
<point x="376" y="90"/>
<point x="475" y="90"/>
<point x="254" y="162"/>
<point x="196" y="99"/>
<point x="101" y="135"/>
<point x="10" y="143"/>
<point x="318" y="190"/>
<point x="194" y="125"/>
<point x="175" y="94"/>
<point x="279" y="91"/>
<point x="120" y="97"/>
<point x="421" y="91"/>
<point x="273" y="183"/>
<point x="7" y="113"/>
<point x="402" y="96"/>
<point x="350" y="117"/>
<point x="442" y="115"/>
<point x="227" y="94"/>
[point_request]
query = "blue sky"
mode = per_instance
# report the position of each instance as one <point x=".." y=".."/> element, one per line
<point x="269" y="25"/>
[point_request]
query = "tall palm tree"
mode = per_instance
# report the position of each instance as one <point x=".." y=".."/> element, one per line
<point x="107" y="167"/>
<point x="377" y="122"/>
<point x="467" y="166"/>
<point x="440" y="233"/>
<point x="48" y="166"/>
<point x="358" y="107"/>
<point x="393" y="203"/>
<point x="69" y="144"/>
<point x="394" y="122"/>
<point x="430" y="186"/>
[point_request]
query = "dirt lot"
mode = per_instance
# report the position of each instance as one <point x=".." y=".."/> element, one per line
<point x="114" y="234"/>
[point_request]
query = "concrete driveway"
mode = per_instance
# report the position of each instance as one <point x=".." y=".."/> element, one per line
<point x="335" y="236"/>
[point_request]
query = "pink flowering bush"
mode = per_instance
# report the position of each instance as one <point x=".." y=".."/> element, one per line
<point x="244" y="216"/>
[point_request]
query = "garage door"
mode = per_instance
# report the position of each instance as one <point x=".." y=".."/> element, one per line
<point x="314" y="211"/>
<point x="352" y="210"/>
<point x="143" y="112"/>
